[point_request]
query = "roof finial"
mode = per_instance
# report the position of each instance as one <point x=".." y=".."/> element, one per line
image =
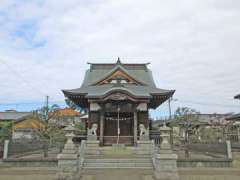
<point x="118" y="60"/>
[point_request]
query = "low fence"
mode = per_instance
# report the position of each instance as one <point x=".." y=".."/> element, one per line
<point x="36" y="148"/>
<point x="233" y="137"/>
<point x="186" y="149"/>
<point x="220" y="148"/>
<point x="1" y="149"/>
<point x="155" y="136"/>
<point x="236" y="146"/>
<point x="20" y="146"/>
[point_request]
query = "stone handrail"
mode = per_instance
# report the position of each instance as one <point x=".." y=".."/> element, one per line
<point x="154" y="152"/>
<point x="81" y="153"/>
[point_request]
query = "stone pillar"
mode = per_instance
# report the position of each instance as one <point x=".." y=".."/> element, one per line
<point x="135" y="127"/>
<point x="67" y="160"/>
<point x="101" y="127"/>
<point x="92" y="144"/>
<point x="5" y="150"/>
<point x="165" y="161"/>
<point x="238" y="133"/>
<point x="229" y="149"/>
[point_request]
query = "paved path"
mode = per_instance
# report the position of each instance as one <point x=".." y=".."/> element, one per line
<point x="41" y="173"/>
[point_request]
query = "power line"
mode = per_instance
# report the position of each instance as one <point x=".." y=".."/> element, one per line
<point x="30" y="103"/>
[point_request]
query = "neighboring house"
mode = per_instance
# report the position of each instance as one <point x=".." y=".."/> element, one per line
<point x="203" y="121"/>
<point x="23" y="123"/>
<point x="234" y="127"/>
<point x="63" y="117"/>
<point x="26" y="127"/>
<point x="13" y="116"/>
<point x="213" y="119"/>
<point x="234" y="117"/>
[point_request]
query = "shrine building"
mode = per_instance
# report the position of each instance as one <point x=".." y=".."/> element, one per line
<point x="118" y="98"/>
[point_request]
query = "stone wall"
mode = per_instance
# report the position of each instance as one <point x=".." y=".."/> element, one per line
<point x="31" y="162"/>
<point x="195" y="163"/>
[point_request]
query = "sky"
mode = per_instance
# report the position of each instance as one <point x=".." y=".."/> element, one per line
<point x="193" y="47"/>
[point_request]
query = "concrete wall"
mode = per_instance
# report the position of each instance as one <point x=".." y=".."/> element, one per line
<point x="22" y="135"/>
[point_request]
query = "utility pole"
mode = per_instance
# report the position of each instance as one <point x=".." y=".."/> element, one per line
<point x="47" y="108"/>
<point x="169" y="108"/>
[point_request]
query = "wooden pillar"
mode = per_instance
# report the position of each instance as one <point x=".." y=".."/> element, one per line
<point x="101" y="127"/>
<point x="89" y="120"/>
<point x="135" y="127"/>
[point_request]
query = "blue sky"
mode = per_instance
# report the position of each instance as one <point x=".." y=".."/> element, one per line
<point x="193" y="47"/>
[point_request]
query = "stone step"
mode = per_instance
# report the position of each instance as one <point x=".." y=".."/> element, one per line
<point x="118" y="163"/>
<point x="103" y="156"/>
<point x="118" y="160"/>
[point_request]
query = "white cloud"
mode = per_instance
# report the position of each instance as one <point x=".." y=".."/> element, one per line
<point x="192" y="46"/>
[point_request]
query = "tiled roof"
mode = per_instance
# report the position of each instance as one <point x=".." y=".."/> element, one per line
<point x="15" y="116"/>
<point x="97" y="72"/>
<point x="67" y="112"/>
<point x="234" y="117"/>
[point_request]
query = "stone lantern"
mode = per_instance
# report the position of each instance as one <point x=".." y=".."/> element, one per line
<point x="69" y="134"/>
<point x="67" y="160"/>
<point x="165" y="146"/>
<point x="165" y="161"/>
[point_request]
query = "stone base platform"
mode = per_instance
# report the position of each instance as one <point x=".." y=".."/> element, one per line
<point x="144" y="147"/>
<point x="92" y="147"/>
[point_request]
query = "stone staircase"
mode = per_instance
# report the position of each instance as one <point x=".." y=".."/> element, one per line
<point x="95" y="163"/>
<point x="114" y="157"/>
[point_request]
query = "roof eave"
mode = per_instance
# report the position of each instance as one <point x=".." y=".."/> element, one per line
<point x="237" y="96"/>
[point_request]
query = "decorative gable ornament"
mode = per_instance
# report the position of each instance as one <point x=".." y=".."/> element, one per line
<point x="118" y="76"/>
<point x="94" y="107"/>
<point x="142" y="107"/>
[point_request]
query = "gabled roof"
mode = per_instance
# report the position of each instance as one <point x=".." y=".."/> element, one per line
<point x="30" y="123"/>
<point x="65" y="112"/>
<point x="97" y="72"/>
<point x="235" y="117"/>
<point x="120" y="68"/>
<point x="14" y="116"/>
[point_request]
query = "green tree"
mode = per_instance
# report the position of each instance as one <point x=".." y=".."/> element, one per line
<point x="51" y="136"/>
<point x="187" y="119"/>
<point x="5" y="130"/>
<point x="46" y="113"/>
<point x="72" y="105"/>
